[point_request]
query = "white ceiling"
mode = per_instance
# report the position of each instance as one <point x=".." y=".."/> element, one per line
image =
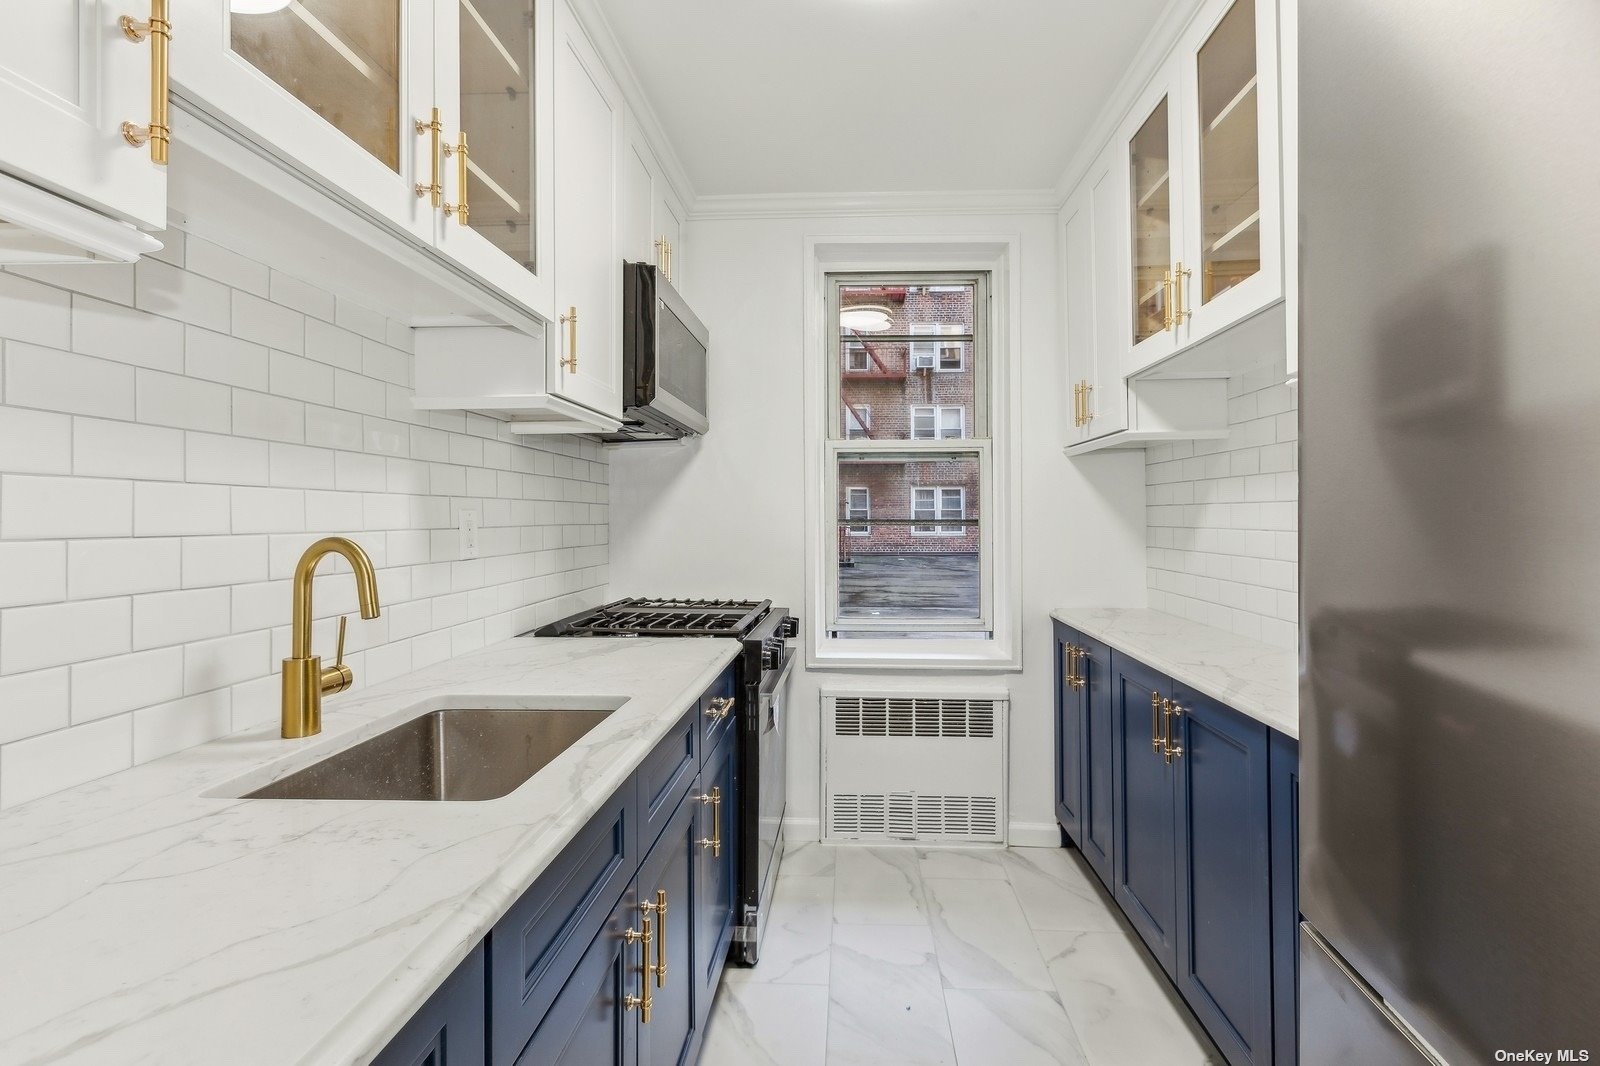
<point x="859" y="96"/>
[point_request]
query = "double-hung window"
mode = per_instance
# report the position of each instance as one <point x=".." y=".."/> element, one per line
<point x="921" y="470"/>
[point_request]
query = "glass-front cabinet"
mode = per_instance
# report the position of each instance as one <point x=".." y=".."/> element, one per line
<point x="1203" y="196"/>
<point x="429" y="115"/>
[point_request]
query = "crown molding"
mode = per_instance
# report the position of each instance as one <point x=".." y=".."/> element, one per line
<point x="605" y="41"/>
<point x="1158" y="44"/>
<point x="878" y="205"/>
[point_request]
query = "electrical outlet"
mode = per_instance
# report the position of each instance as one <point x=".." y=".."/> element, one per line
<point x="469" y="534"/>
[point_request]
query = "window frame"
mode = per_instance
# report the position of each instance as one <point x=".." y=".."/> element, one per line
<point x="939" y="411"/>
<point x="858" y="346"/>
<point x="978" y="629"/>
<point x="864" y="424"/>
<point x="998" y="256"/>
<point x="865" y="529"/>
<point x="934" y="331"/>
<point x="936" y="527"/>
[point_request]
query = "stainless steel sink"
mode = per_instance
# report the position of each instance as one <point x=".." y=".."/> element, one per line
<point x="459" y="753"/>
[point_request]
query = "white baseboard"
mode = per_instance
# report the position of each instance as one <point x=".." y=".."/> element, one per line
<point x="1035" y="835"/>
<point x="801" y="830"/>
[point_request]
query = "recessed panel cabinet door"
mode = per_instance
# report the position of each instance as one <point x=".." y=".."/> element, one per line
<point x="1069" y="735"/>
<point x="69" y="79"/>
<point x="336" y="88"/>
<point x="494" y="70"/>
<point x="716" y="839"/>
<point x="1144" y="860"/>
<point x="585" y="356"/>
<point x="1224" y="875"/>
<point x="1097" y="840"/>
<point x="594" y="1020"/>
<point x="667" y="885"/>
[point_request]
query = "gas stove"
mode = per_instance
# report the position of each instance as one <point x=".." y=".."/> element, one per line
<point x="663" y="617"/>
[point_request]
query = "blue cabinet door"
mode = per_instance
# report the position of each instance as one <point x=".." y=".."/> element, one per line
<point x="1069" y="735"/>
<point x="1283" y="767"/>
<point x="1224" y="875"/>
<point x="715" y="866"/>
<point x="449" y="1029"/>
<point x="1096" y="807"/>
<point x="593" y="1020"/>
<point x="1144" y="840"/>
<point x="666" y="892"/>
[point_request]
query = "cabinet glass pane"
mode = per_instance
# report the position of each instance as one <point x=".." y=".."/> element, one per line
<point x="341" y="58"/>
<point x="1230" y="171"/>
<point x="1149" y="162"/>
<point x="497" y="113"/>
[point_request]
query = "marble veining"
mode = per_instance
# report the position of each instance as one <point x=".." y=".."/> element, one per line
<point x="150" y="917"/>
<point x="1249" y="676"/>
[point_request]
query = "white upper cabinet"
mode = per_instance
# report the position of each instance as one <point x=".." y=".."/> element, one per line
<point x="651" y="215"/>
<point x="335" y="88"/>
<point x="1093" y="261"/>
<point x="1202" y="159"/>
<point x="586" y="358"/>
<point x="71" y="81"/>
<point x="493" y="79"/>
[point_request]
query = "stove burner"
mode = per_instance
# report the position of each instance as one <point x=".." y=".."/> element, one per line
<point x="667" y="617"/>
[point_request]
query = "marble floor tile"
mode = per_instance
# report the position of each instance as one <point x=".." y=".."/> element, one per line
<point x="795" y="947"/>
<point x="1122" y="1007"/>
<point x="878" y="886"/>
<point x="982" y="938"/>
<point x="767" y="1025"/>
<point x="807" y="859"/>
<point x="1011" y="1029"/>
<point x="1057" y="889"/>
<point x="885" y="1002"/>
<point x="982" y="863"/>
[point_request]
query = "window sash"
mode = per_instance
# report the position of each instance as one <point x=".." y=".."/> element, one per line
<point x="938" y="422"/>
<point x="943" y="504"/>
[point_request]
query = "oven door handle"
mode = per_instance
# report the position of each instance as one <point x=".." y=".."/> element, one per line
<point x="769" y="689"/>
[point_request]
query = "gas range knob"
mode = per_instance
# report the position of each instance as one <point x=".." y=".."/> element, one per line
<point x="790" y="628"/>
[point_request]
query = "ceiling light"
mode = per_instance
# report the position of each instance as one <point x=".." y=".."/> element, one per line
<point x="865" y="318"/>
<point x="256" y="7"/>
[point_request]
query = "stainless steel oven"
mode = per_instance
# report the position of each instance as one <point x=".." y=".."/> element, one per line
<point x="666" y="358"/>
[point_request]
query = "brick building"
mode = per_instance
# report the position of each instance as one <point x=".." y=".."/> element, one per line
<point x="904" y="388"/>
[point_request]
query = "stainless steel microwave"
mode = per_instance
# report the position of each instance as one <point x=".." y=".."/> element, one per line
<point x="666" y="355"/>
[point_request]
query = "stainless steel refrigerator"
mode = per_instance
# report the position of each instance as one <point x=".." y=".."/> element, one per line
<point x="1450" y="406"/>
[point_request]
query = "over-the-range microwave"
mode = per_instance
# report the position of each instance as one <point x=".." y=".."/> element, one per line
<point x="666" y="353"/>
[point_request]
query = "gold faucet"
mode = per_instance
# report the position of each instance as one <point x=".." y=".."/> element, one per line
<point x="304" y="679"/>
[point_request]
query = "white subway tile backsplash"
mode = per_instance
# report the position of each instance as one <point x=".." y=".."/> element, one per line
<point x="32" y="571"/>
<point x="60" y="381"/>
<point x="1221" y="518"/>
<point x="54" y="761"/>
<point x="173" y="436"/>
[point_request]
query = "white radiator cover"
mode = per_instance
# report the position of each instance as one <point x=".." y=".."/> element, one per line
<point x="914" y="767"/>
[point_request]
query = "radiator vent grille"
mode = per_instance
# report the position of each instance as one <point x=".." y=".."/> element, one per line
<point x="876" y="716"/>
<point x="906" y="816"/>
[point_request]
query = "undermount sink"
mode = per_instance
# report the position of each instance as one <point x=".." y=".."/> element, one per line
<point x="457" y="753"/>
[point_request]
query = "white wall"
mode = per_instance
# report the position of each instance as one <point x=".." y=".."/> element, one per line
<point x="723" y="515"/>
<point x="1222" y="542"/>
<point x="172" y="436"/>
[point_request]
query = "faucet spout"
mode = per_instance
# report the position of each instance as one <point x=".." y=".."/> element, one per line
<point x="304" y="679"/>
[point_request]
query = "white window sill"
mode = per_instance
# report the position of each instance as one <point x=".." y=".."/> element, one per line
<point x="944" y="656"/>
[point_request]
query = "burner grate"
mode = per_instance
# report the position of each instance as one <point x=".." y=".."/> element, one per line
<point x="665" y="617"/>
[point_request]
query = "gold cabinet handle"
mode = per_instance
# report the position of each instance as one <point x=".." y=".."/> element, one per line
<point x="659" y="909"/>
<point x="158" y="28"/>
<point x="714" y="841"/>
<point x="1180" y="312"/>
<point x="460" y="152"/>
<point x="1077" y="404"/>
<point x="1169" y="750"/>
<point x="434" y="188"/>
<point x="1155" y="723"/>
<point x="570" y="320"/>
<point x="1167" y="317"/>
<point x="1088" y="412"/>
<point x="720" y="708"/>
<point x="669" y="260"/>
<point x="641" y="936"/>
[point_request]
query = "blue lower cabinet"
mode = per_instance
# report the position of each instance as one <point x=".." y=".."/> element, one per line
<point x="667" y="895"/>
<point x="1144" y="818"/>
<point x="1069" y="759"/>
<point x="716" y="844"/>
<point x="666" y="775"/>
<point x="1097" y="805"/>
<point x="449" y="1029"/>
<point x="593" y="1020"/>
<point x="1224" y="875"/>
<point x="1283" y="770"/>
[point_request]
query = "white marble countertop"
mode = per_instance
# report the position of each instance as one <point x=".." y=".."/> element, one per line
<point x="1249" y="676"/>
<point x="141" y="922"/>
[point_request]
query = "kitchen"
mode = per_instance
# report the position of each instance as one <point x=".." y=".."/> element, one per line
<point x="594" y="531"/>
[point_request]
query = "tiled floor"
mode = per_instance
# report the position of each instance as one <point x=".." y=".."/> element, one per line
<point x="971" y="958"/>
